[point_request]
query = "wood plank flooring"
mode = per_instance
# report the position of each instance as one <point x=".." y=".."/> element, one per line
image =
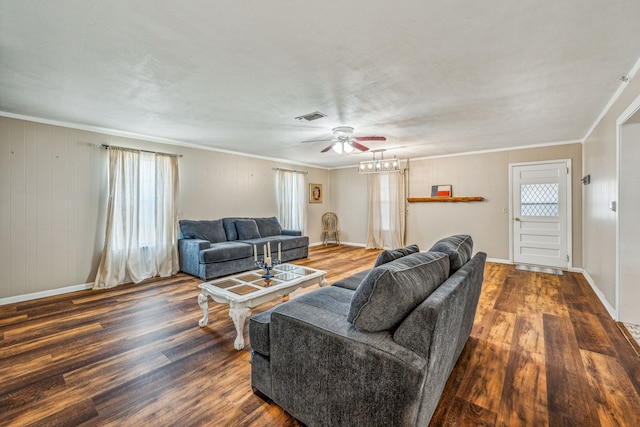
<point x="543" y="351"/>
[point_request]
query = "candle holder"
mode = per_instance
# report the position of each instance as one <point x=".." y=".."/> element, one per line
<point x="263" y="265"/>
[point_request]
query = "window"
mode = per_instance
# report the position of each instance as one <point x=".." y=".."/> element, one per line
<point x="385" y="203"/>
<point x="141" y="232"/>
<point x="290" y="195"/>
<point x="386" y="210"/>
<point x="147" y="235"/>
<point x="539" y="199"/>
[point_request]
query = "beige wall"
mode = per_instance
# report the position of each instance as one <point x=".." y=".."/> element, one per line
<point x="484" y="175"/>
<point x="599" y="223"/>
<point x="53" y="193"/>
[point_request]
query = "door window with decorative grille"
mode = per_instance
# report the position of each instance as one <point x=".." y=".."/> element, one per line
<point x="539" y="199"/>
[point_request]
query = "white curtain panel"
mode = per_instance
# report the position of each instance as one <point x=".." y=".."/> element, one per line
<point x="142" y="233"/>
<point x="387" y="201"/>
<point x="290" y="197"/>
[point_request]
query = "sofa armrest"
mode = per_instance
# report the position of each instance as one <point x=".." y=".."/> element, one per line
<point x="188" y="252"/>
<point x="317" y="356"/>
<point x="291" y="232"/>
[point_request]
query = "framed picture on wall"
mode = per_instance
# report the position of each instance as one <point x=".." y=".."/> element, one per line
<point x="315" y="193"/>
<point x="441" y="191"/>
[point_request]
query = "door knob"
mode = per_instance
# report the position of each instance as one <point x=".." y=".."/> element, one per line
<point x="516" y="219"/>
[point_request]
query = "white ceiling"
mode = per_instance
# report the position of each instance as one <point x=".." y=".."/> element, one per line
<point x="434" y="77"/>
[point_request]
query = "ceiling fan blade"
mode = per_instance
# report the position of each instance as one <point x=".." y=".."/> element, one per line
<point x="359" y="146"/>
<point x="328" y="148"/>
<point x="317" y="140"/>
<point x="370" y="138"/>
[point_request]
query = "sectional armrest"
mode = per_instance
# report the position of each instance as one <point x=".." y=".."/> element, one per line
<point x="291" y="232"/>
<point x="188" y="251"/>
<point x="194" y="244"/>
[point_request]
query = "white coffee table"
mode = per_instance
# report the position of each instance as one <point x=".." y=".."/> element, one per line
<point x="246" y="290"/>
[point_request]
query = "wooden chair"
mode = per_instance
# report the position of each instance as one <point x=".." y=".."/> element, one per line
<point x="330" y="227"/>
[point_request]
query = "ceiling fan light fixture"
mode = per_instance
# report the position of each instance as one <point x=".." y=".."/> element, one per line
<point x="342" y="147"/>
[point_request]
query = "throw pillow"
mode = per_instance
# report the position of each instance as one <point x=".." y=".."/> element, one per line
<point x="393" y="254"/>
<point x="247" y="229"/>
<point x="458" y="248"/>
<point x="229" y="225"/>
<point x="269" y="226"/>
<point x="213" y="231"/>
<point x="393" y="290"/>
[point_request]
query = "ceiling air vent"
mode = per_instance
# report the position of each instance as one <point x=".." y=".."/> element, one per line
<point x="312" y="116"/>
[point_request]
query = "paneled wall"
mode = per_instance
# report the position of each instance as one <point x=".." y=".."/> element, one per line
<point x="54" y="189"/>
<point x="51" y="208"/>
<point x="484" y="175"/>
<point x="600" y="161"/>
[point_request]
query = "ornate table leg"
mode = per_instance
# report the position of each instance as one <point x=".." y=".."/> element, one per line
<point x="202" y="302"/>
<point x="239" y="314"/>
<point x="323" y="282"/>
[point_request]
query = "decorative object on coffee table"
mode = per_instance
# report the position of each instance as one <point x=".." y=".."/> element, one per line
<point x="246" y="290"/>
<point x="267" y="262"/>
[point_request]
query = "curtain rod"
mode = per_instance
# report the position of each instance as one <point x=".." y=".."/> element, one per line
<point x="289" y="170"/>
<point x="107" y="147"/>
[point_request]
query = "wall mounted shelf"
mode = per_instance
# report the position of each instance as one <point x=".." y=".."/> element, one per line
<point x="444" y="199"/>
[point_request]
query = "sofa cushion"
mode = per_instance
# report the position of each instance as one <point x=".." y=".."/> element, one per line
<point x="247" y="229"/>
<point x="292" y="242"/>
<point x="393" y="254"/>
<point x="391" y="291"/>
<point x="458" y="248"/>
<point x="213" y="231"/>
<point x="352" y="282"/>
<point x="268" y="226"/>
<point x="225" y="251"/>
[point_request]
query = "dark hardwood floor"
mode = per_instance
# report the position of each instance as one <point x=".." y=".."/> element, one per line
<point x="543" y="351"/>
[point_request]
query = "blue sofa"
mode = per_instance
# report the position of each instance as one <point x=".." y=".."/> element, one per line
<point x="375" y="349"/>
<point x="215" y="248"/>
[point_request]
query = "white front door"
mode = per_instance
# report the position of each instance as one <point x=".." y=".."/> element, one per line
<point x="540" y="219"/>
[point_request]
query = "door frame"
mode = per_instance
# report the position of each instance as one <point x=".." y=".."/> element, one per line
<point x="569" y="202"/>
<point x="632" y="109"/>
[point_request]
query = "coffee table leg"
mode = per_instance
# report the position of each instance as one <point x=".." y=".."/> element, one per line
<point x="239" y="314"/>
<point x="202" y="302"/>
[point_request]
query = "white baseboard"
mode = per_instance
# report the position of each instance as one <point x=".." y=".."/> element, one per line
<point x="499" y="261"/>
<point x="362" y="245"/>
<point x="612" y="311"/>
<point x="42" y="294"/>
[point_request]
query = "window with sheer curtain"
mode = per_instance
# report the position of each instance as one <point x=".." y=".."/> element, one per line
<point x="290" y="197"/>
<point x="386" y="210"/>
<point x="141" y="235"/>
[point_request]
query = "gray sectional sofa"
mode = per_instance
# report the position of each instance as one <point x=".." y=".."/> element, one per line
<point x="375" y="349"/>
<point x="215" y="248"/>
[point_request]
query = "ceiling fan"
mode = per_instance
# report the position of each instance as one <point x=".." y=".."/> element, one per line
<point x="344" y="142"/>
